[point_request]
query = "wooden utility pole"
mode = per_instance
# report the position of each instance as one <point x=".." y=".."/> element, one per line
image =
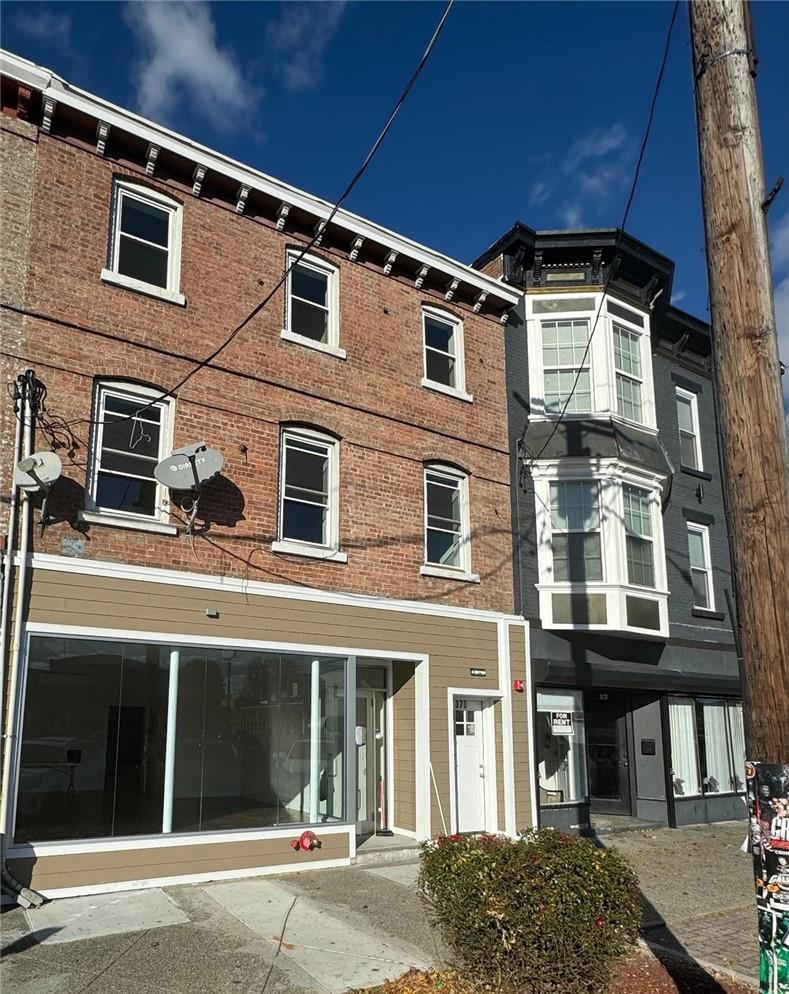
<point x="753" y="437"/>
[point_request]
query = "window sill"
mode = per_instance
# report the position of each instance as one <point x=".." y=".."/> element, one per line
<point x="121" y="521"/>
<point x="449" y="391"/>
<point x="703" y="612"/>
<point x="118" y="279"/>
<point x="310" y="551"/>
<point x="445" y="573"/>
<point x="333" y="350"/>
<point x="698" y="473"/>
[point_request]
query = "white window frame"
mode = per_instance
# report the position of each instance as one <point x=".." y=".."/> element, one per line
<point x="693" y="400"/>
<point x="93" y="514"/>
<point x="586" y="365"/>
<point x="704" y="532"/>
<point x="639" y="535"/>
<point x="463" y="570"/>
<point x="632" y="333"/>
<point x="577" y="531"/>
<point x="121" y="190"/>
<point x="332" y="274"/>
<point x="330" y="549"/>
<point x="611" y="476"/>
<point x="459" y="390"/>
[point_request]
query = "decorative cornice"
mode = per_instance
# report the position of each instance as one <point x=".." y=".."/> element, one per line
<point x="241" y="198"/>
<point x="318" y="231"/>
<point x="420" y="277"/>
<point x="355" y="248"/>
<point x="452" y="289"/>
<point x="48" y="112"/>
<point x="102" y="134"/>
<point x="389" y="262"/>
<point x="197" y="179"/>
<point x="151" y="156"/>
<point x="479" y="300"/>
<point x="282" y="215"/>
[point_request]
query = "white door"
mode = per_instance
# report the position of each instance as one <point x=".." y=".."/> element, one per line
<point x="470" y="765"/>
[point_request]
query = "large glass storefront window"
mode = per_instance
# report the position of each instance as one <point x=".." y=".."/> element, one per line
<point x="134" y="739"/>
<point x="561" y="746"/>
<point x="707" y="746"/>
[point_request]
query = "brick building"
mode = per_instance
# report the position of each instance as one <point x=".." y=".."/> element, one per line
<point x="333" y="646"/>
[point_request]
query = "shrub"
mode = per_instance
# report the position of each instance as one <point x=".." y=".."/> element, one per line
<point x="545" y="914"/>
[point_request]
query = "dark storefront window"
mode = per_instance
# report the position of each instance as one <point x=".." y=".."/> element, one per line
<point x="561" y="746"/>
<point x="259" y="740"/>
<point x="707" y="746"/>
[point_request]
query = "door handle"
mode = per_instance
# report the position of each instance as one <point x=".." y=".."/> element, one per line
<point x="625" y="763"/>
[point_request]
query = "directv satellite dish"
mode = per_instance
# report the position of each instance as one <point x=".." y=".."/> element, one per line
<point x="38" y="472"/>
<point x="187" y="469"/>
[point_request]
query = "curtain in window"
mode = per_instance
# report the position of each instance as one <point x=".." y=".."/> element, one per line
<point x="683" y="747"/>
<point x="716" y="749"/>
<point x="737" y="745"/>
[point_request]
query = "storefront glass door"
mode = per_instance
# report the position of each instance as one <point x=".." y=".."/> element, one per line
<point x="608" y="759"/>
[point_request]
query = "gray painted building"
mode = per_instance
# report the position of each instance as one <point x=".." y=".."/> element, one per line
<point x="620" y="552"/>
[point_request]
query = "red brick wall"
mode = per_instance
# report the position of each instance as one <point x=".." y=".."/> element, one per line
<point x="387" y="422"/>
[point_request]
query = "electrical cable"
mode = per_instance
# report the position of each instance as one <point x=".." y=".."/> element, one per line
<point x="620" y="232"/>
<point x="319" y="231"/>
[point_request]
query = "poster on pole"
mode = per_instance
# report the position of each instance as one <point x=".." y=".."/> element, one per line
<point x="561" y="723"/>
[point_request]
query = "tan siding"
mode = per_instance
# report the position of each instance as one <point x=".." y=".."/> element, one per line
<point x="403" y="706"/>
<point x="91" y="869"/>
<point x="499" y="716"/>
<point x="520" y="731"/>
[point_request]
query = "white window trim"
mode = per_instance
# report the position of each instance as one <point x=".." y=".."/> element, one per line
<point x="332" y="274"/>
<point x="628" y="330"/>
<point x="578" y="531"/>
<point x="602" y="371"/>
<point x="330" y="550"/>
<point x="459" y="390"/>
<point x="92" y="513"/>
<point x="463" y="571"/>
<point x="110" y="274"/>
<point x="645" y="538"/>
<point x="611" y="476"/>
<point x="586" y="365"/>
<point x="704" y="531"/>
<point x="693" y="399"/>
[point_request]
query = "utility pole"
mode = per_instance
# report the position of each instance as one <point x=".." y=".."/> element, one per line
<point x="753" y="436"/>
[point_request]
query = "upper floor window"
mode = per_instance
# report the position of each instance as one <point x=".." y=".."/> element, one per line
<point x="689" y="435"/>
<point x="312" y="304"/>
<point x="444" y="366"/>
<point x="565" y="360"/>
<point x="145" y="242"/>
<point x="309" y="494"/>
<point x="638" y="536"/>
<point x="446" y="519"/>
<point x="575" y="531"/>
<point x="132" y="434"/>
<point x="629" y="379"/>
<point x="700" y="566"/>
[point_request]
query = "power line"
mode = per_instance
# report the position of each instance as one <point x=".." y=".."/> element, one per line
<point x="320" y="229"/>
<point x="620" y="233"/>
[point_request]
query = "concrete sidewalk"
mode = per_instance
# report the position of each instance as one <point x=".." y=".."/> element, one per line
<point x="326" y="930"/>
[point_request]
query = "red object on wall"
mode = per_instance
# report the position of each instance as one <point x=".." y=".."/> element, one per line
<point x="306" y="842"/>
<point x="517" y="685"/>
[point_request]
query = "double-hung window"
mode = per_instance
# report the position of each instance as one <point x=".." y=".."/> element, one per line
<point x="689" y="435"/>
<point x="444" y="367"/>
<point x="700" y="566"/>
<point x="446" y="519"/>
<point x="566" y="366"/>
<point x="309" y="494"/>
<point x="639" y="538"/>
<point x="629" y="377"/>
<point x="312" y="304"/>
<point x="131" y="437"/>
<point x="145" y="242"/>
<point x="575" y="532"/>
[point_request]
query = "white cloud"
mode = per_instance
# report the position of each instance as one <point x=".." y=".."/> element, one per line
<point x="678" y="295"/>
<point x="183" y="64"/>
<point x="539" y="193"/>
<point x="297" y="38"/>
<point x="571" y="215"/>
<point x="597" y="144"/>
<point x="44" y="24"/>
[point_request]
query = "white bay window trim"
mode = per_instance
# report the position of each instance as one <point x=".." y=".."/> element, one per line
<point x="612" y="603"/>
<point x="542" y="309"/>
<point x="124" y="191"/>
<point x="314" y="264"/>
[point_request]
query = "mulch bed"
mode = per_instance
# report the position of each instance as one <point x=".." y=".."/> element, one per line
<point x="645" y="972"/>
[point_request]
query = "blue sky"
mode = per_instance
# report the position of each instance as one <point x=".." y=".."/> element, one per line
<point x="529" y="111"/>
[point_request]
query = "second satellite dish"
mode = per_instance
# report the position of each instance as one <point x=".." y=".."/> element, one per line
<point x="190" y="467"/>
<point x="38" y="472"/>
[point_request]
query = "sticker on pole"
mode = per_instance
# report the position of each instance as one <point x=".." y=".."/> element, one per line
<point x="561" y="723"/>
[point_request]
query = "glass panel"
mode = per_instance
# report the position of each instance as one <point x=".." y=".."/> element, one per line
<point x="579" y="609"/>
<point x="309" y="285"/>
<point x="136" y="435"/>
<point x="560" y="757"/>
<point x="559" y="386"/>
<point x="577" y="557"/>
<point x="246" y="725"/>
<point x="685" y="414"/>
<point x="439" y="335"/>
<point x="696" y="549"/>
<point x="440" y="368"/>
<point x="92" y="740"/>
<point x="121" y="462"/>
<point x="443" y="500"/>
<point x="638" y="511"/>
<point x="125" y="407"/>
<point x="628" y="398"/>
<point x="574" y="506"/>
<point x="145" y="221"/>
<point x="684" y="759"/>
<point x="700" y="584"/>
<point x="564" y="343"/>
<point x="306" y="467"/>
<point x="557" y="306"/>
<point x="303" y="522"/>
<point x="627" y="351"/>
<point x="309" y="321"/>
<point x="443" y="548"/>
<point x="122" y="493"/>
<point x="687" y="444"/>
<point x="142" y="262"/>
<point x="643" y="613"/>
<point x="640" y="566"/>
<point x="713" y="746"/>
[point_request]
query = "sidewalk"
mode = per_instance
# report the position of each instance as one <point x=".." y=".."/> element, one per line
<point x="329" y="929"/>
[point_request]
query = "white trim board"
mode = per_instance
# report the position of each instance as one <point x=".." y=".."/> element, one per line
<point x="207" y="581"/>
<point x="491" y="766"/>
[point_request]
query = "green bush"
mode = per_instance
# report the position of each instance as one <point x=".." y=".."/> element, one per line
<point x="544" y="914"/>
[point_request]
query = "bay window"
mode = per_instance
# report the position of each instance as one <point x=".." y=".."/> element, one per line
<point x="638" y="536"/>
<point x="629" y="379"/>
<point x="575" y="531"/>
<point x="565" y="359"/>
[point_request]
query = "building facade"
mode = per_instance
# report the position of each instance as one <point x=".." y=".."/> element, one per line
<point x="320" y="638"/>
<point x="620" y="551"/>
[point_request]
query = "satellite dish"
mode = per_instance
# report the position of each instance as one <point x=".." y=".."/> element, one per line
<point x="38" y="472"/>
<point x="190" y="467"/>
